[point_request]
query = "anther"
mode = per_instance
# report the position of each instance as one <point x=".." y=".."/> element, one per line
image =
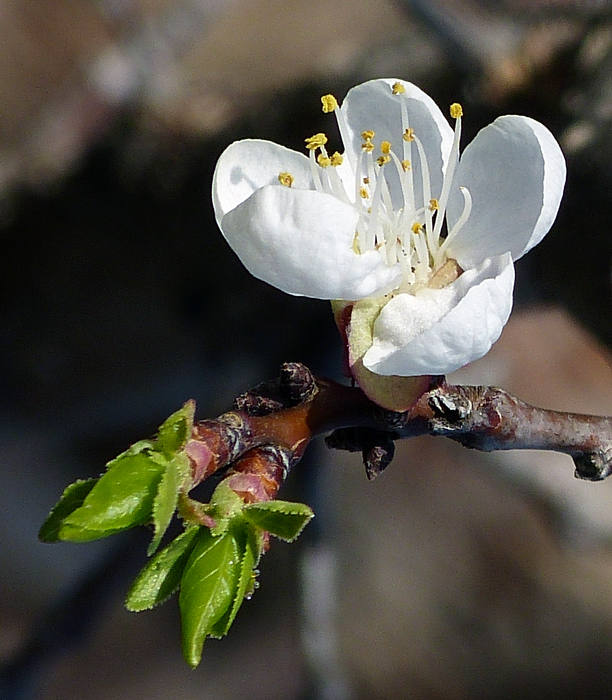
<point x="368" y="135"/>
<point x="385" y="147"/>
<point x="363" y="193"/>
<point x="323" y="161"/>
<point x="406" y="165"/>
<point x="416" y="227"/>
<point x="456" y="110"/>
<point x="383" y="160"/>
<point x="316" y="141"/>
<point x="286" y="179"/>
<point x="434" y="205"/>
<point x="408" y="134"/>
<point x="330" y="103"/>
<point x="336" y="159"/>
<point x="398" y="88"/>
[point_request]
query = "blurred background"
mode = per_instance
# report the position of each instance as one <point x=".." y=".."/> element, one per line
<point x="455" y="574"/>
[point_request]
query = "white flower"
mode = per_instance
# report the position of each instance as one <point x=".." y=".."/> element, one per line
<point x="422" y="241"/>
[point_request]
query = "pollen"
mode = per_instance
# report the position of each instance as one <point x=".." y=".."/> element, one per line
<point x="330" y="103"/>
<point x="406" y="164"/>
<point x="385" y="147"/>
<point x="456" y="110"/>
<point x="434" y="205"/>
<point x="323" y="161"/>
<point x="383" y="160"/>
<point x="408" y="134"/>
<point x="316" y="141"/>
<point x="286" y="179"/>
<point x="398" y="88"/>
<point x="336" y="159"/>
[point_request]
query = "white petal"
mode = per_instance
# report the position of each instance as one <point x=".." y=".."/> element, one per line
<point x="301" y="242"/>
<point x="515" y="172"/>
<point x="246" y="166"/>
<point x="373" y="106"/>
<point x="438" y="331"/>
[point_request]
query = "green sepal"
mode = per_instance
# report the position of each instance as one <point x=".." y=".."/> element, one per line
<point x="162" y="575"/>
<point x="250" y="542"/>
<point x="208" y="588"/>
<point x="174" y="432"/>
<point x="166" y="498"/>
<point x="122" y="498"/>
<point x="282" y="519"/>
<point x="70" y="500"/>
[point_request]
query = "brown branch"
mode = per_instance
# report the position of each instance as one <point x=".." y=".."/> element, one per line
<point x="287" y="413"/>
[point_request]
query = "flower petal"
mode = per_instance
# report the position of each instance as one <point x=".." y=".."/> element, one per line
<point x="302" y="242"/>
<point x="440" y="330"/>
<point x="373" y="105"/>
<point x="515" y="172"/>
<point x="246" y="166"/>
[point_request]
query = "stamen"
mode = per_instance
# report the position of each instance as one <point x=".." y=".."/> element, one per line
<point x="363" y="193"/>
<point x="323" y="160"/>
<point x="330" y="103"/>
<point x="383" y="160"/>
<point x="336" y="159"/>
<point x="426" y="182"/>
<point x="385" y="147"/>
<point x="286" y="179"/>
<point x="453" y="159"/>
<point x="434" y="205"/>
<point x="398" y="88"/>
<point x="406" y="165"/>
<point x="368" y="135"/>
<point x="408" y="134"/>
<point x="465" y="215"/>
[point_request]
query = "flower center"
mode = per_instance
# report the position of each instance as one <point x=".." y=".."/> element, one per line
<point x="399" y="214"/>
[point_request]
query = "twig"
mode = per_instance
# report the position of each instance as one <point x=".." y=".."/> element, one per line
<point x="287" y="413"/>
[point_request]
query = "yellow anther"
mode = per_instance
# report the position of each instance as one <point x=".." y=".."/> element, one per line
<point x="323" y="161"/>
<point x="398" y="88"/>
<point x="316" y="141"/>
<point x="366" y="180"/>
<point x="367" y="146"/>
<point x="383" y="160"/>
<point x="355" y="246"/>
<point x="329" y="102"/>
<point x="456" y="110"/>
<point x="434" y="205"/>
<point x="406" y="165"/>
<point x="286" y="179"/>
<point x="408" y="135"/>
<point x="337" y="159"/>
<point x="416" y="227"/>
<point x="368" y="135"/>
<point x="363" y="193"/>
<point x="385" y="147"/>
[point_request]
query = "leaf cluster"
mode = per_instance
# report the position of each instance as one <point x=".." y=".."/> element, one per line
<point x="212" y="561"/>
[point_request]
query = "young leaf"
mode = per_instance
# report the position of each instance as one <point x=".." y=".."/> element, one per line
<point x="162" y="575"/>
<point x="250" y="544"/>
<point x="70" y="500"/>
<point x="122" y="497"/>
<point x="176" y="430"/>
<point x="208" y="589"/>
<point x="283" y="519"/>
<point x="166" y="498"/>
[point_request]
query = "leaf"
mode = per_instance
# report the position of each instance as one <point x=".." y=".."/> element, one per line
<point x="166" y="498"/>
<point x="122" y="498"/>
<point x="162" y="575"/>
<point x="176" y="430"/>
<point x="250" y="545"/>
<point x="282" y="519"/>
<point x="70" y="500"/>
<point x="208" y="589"/>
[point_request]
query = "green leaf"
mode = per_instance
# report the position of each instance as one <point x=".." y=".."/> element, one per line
<point x="166" y="498"/>
<point x="208" y="589"/>
<point x="122" y="498"/>
<point x="280" y="518"/>
<point x="70" y="500"/>
<point x="162" y="575"/>
<point x="250" y="545"/>
<point x="176" y="430"/>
